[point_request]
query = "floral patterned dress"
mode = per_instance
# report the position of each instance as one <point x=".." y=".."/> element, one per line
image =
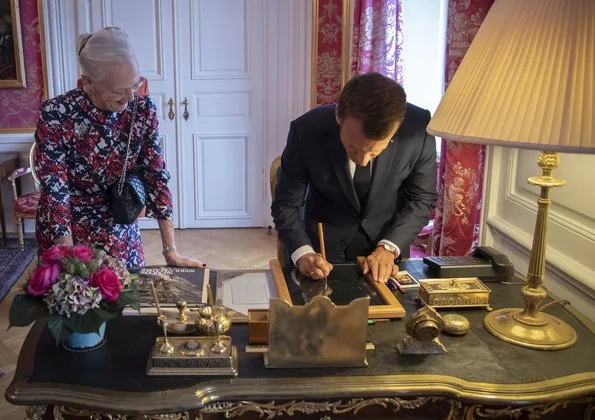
<point x="81" y="152"/>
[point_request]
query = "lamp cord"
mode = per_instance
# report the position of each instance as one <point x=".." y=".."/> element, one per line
<point x="560" y="301"/>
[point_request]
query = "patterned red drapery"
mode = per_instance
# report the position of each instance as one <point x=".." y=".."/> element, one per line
<point x="456" y="225"/>
<point x="329" y="60"/>
<point x="378" y="38"/>
<point x="20" y="106"/>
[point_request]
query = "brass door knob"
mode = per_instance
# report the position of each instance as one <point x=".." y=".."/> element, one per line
<point x="186" y="114"/>
<point x="171" y="115"/>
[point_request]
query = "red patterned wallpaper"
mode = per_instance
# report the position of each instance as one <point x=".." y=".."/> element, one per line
<point x="330" y="60"/>
<point x="19" y="106"/>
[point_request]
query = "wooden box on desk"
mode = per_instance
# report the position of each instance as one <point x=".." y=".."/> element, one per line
<point x="258" y="326"/>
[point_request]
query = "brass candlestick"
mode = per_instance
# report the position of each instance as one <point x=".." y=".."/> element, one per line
<point x="166" y="347"/>
<point x="219" y="347"/>
<point x="181" y="306"/>
<point x="529" y="327"/>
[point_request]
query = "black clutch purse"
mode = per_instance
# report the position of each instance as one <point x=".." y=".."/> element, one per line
<point x="129" y="194"/>
<point x="129" y="200"/>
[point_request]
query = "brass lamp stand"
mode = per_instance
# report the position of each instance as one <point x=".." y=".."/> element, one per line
<point x="529" y="327"/>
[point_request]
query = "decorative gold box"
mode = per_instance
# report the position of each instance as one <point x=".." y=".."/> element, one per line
<point x="454" y="292"/>
<point x="193" y="355"/>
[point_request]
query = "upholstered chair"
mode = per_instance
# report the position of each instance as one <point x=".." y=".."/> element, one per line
<point x="273" y="176"/>
<point x="24" y="206"/>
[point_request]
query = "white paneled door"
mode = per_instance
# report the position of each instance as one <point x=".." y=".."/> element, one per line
<point x="203" y="60"/>
<point x="220" y="112"/>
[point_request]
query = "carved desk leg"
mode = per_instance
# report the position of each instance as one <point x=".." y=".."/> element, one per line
<point x="70" y="413"/>
<point x="35" y="412"/>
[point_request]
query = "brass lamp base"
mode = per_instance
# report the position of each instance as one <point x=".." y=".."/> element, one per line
<point x="551" y="334"/>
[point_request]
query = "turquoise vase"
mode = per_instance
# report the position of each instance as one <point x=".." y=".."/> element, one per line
<point x="85" y="341"/>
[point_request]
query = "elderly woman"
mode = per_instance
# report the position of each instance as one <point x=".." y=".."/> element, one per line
<point x="85" y="137"/>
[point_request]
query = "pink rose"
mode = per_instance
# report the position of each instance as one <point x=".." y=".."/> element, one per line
<point x="43" y="278"/>
<point x="82" y="252"/>
<point x="55" y="254"/>
<point x="108" y="283"/>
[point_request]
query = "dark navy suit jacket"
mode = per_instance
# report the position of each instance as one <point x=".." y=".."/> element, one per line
<point x="314" y="172"/>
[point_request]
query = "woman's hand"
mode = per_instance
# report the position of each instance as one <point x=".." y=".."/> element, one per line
<point x="176" y="260"/>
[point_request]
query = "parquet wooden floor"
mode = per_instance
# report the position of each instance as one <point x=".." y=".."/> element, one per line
<point x="219" y="248"/>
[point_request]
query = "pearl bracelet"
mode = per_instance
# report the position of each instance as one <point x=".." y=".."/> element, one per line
<point x="168" y="248"/>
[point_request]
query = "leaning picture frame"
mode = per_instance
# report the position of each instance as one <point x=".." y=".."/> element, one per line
<point x="388" y="309"/>
<point x="12" y="64"/>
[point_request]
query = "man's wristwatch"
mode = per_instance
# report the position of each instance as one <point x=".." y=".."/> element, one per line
<point x="389" y="248"/>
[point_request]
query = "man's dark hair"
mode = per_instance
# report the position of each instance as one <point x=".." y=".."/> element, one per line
<point x="377" y="100"/>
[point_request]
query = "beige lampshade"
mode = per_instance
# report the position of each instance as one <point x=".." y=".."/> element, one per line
<point x="527" y="80"/>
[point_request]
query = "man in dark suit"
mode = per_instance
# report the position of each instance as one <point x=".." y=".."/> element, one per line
<point x="366" y="169"/>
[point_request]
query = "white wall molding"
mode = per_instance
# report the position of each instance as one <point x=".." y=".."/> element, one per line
<point x="16" y="142"/>
<point x="527" y="198"/>
<point x="60" y="35"/>
<point x="554" y="257"/>
<point x="561" y="278"/>
<point x="287" y="37"/>
<point x="508" y="223"/>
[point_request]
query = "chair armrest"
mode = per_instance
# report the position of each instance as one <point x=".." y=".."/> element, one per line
<point x="17" y="173"/>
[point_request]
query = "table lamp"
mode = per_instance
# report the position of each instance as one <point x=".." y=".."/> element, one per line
<point x="528" y="81"/>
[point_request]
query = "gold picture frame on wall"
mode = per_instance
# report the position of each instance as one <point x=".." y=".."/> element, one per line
<point x="12" y="64"/>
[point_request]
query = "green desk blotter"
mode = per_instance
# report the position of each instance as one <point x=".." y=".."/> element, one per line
<point x="193" y="356"/>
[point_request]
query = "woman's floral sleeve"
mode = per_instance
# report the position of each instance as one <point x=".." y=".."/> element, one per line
<point x="51" y="168"/>
<point x="159" y="200"/>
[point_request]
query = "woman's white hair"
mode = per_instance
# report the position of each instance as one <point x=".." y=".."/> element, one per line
<point x="100" y="50"/>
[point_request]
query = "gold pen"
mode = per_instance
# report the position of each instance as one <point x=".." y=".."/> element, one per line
<point x="322" y="250"/>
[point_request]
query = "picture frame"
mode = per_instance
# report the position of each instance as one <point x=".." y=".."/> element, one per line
<point x="391" y="307"/>
<point x="12" y="64"/>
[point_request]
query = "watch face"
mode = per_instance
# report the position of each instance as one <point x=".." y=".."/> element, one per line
<point x="389" y="248"/>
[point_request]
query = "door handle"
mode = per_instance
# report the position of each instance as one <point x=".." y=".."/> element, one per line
<point x="171" y="115"/>
<point x="185" y="114"/>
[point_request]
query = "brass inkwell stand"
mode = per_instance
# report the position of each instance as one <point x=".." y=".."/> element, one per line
<point x="210" y="353"/>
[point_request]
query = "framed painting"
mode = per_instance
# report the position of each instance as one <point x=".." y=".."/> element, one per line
<point x="344" y="284"/>
<point x="12" y="65"/>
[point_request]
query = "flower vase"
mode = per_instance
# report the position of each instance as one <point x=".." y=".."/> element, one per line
<point x="85" y="341"/>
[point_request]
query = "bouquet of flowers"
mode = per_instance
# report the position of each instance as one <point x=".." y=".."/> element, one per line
<point x="77" y="288"/>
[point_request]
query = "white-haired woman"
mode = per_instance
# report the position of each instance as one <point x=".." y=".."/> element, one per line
<point x="83" y="137"/>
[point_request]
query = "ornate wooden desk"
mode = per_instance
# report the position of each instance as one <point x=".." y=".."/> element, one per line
<point x="480" y="377"/>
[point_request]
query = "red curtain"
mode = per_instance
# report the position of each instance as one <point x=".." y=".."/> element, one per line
<point x="378" y="38"/>
<point x="460" y="175"/>
<point x="330" y="60"/>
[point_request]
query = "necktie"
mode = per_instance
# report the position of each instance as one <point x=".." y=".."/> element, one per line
<point x="361" y="181"/>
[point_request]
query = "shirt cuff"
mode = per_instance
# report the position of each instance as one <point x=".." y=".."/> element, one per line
<point x="389" y="243"/>
<point x="300" y="252"/>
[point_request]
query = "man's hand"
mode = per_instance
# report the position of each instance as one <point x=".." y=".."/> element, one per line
<point x="314" y="266"/>
<point x="176" y="260"/>
<point x="379" y="265"/>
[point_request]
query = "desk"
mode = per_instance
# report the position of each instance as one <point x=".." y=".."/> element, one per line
<point x="480" y="377"/>
<point x="8" y="163"/>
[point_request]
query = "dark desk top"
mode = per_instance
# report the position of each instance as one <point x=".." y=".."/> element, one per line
<point x="477" y="367"/>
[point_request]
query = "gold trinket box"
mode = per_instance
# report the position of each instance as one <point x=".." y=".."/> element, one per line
<point x="194" y="356"/>
<point x="454" y="292"/>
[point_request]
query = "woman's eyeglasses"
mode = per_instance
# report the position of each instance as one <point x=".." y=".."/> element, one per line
<point x="134" y="88"/>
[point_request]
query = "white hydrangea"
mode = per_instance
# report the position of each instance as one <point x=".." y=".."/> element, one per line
<point x="72" y="295"/>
